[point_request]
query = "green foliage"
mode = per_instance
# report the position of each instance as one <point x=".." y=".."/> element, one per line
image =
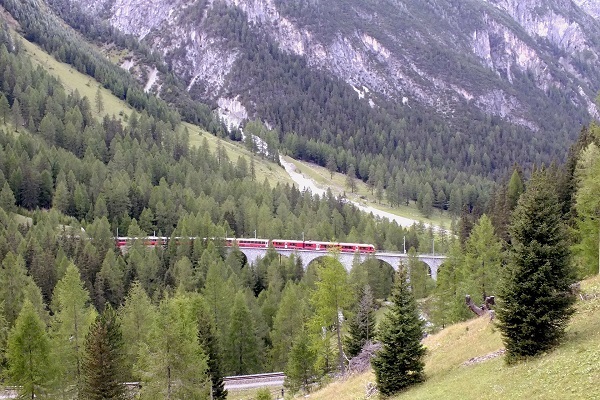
<point x="587" y="207"/>
<point x="137" y="317"/>
<point x="287" y="324"/>
<point x="300" y="371"/>
<point x="7" y="198"/>
<point x="13" y="280"/>
<point x="263" y="394"/>
<point x="173" y="364"/>
<point x="30" y="363"/>
<point x="515" y="188"/>
<point x="104" y="362"/>
<point x="399" y="364"/>
<point x="480" y="272"/>
<point x="536" y="302"/>
<point x="419" y="277"/>
<point x="331" y="297"/>
<point x="242" y="347"/>
<point x="210" y="345"/>
<point x="70" y="325"/>
<point x="361" y="328"/>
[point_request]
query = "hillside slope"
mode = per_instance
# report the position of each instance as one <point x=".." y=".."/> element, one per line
<point x="455" y="371"/>
<point x="440" y="94"/>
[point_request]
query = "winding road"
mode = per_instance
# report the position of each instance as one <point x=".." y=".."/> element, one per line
<point x="305" y="183"/>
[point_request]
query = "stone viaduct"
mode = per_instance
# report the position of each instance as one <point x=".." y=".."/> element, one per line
<point x="307" y="256"/>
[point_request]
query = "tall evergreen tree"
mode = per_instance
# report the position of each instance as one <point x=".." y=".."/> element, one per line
<point x="287" y="324"/>
<point x="104" y="361"/>
<point x="98" y="99"/>
<point x="13" y="281"/>
<point x="242" y="344"/>
<point x="29" y="362"/>
<point x="137" y="318"/>
<point x="73" y="316"/>
<point x="208" y="340"/>
<point x="300" y="370"/>
<point x="17" y="115"/>
<point x="536" y="302"/>
<point x="7" y="199"/>
<point x="361" y="328"/>
<point x="399" y="364"/>
<point x="4" y="108"/>
<point x="332" y="296"/>
<point x="480" y="270"/>
<point x="173" y="364"/>
<point x="587" y="206"/>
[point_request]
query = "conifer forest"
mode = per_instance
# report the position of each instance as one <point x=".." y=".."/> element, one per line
<point x="79" y="316"/>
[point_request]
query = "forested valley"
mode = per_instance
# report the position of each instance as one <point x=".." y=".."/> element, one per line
<point x="70" y="180"/>
<point x="411" y="152"/>
<point x="179" y="318"/>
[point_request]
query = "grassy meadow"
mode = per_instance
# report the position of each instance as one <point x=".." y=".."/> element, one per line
<point x="572" y="371"/>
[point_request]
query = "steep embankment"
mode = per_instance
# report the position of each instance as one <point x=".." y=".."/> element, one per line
<point x="455" y="370"/>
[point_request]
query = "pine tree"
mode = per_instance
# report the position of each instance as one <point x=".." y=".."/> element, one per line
<point x="242" y="344"/>
<point x="331" y="165"/>
<point x="515" y="188"/>
<point x="287" y="324"/>
<point x="104" y="361"/>
<point x="173" y="365"/>
<point x="351" y="178"/>
<point x="536" y="302"/>
<point x="73" y="316"/>
<point x="99" y="101"/>
<point x="29" y="361"/>
<point x="399" y="364"/>
<point x="137" y="317"/>
<point x="587" y="207"/>
<point x="300" y="370"/>
<point x="4" y="108"/>
<point x="13" y="280"/>
<point x="7" y="199"/>
<point x="17" y="116"/>
<point x="480" y="271"/>
<point x="362" y="327"/>
<point x="333" y="296"/>
<point x="208" y="340"/>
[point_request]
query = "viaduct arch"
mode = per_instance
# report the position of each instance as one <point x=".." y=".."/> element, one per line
<point x="346" y="259"/>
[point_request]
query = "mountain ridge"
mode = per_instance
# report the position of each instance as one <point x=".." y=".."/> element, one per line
<point x="503" y="35"/>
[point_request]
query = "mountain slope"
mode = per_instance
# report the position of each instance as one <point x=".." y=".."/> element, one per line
<point x="415" y="95"/>
<point x="463" y="362"/>
<point x="436" y="52"/>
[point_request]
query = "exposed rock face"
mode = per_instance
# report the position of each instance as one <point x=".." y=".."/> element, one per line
<point x="396" y="53"/>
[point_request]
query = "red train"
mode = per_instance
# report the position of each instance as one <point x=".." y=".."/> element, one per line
<point x="151" y="241"/>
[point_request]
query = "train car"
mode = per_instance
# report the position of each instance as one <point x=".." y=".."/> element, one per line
<point x="252" y="243"/>
<point x="288" y="244"/>
<point x="153" y="241"/>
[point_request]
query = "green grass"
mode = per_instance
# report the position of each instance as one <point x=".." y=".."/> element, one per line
<point x="73" y="80"/>
<point x="572" y="371"/>
<point x="250" y="394"/>
<point x="270" y="171"/>
<point x="363" y="194"/>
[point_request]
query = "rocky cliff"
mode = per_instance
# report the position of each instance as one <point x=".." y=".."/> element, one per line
<point x="501" y="56"/>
